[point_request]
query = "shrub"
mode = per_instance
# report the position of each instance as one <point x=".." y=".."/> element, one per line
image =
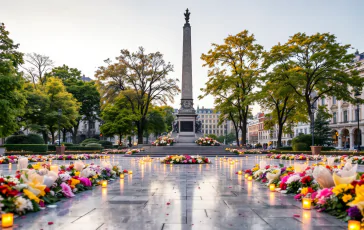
<point x="25" y="139"/>
<point x="300" y="147"/>
<point x="328" y="148"/>
<point x="88" y="141"/>
<point x="302" y="138"/>
<point x="51" y="147"/>
<point x="105" y="143"/>
<point x="93" y="145"/>
<point x="82" y="148"/>
<point x="66" y="144"/>
<point x="26" y="147"/>
<point x="286" y="148"/>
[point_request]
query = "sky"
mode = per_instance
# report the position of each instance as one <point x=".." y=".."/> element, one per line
<point x="81" y="34"/>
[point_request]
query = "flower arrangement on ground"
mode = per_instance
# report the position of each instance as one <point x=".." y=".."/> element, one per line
<point x="122" y="151"/>
<point x="334" y="189"/>
<point x="34" y="186"/>
<point x="207" y="141"/>
<point x="163" y="141"/>
<point x="185" y="159"/>
<point x="301" y="157"/>
<point x="243" y="151"/>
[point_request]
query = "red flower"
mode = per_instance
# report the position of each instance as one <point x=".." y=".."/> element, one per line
<point x="264" y="180"/>
<point x="47" y="190"/>
<point x="2" y="180"/>
<point x="193" y="161"/>
<point x="306" y="179"/>
<point x="283" y="186"/>
<point x="267" y="167"/>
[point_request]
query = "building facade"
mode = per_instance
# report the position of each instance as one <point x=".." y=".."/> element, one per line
<point x="210" y="119"/>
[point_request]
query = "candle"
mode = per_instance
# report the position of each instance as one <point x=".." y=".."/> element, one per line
<point x="250" y="178"/>
<point x="54" y="168"/>
<point x="246" y="175"/>
<point x="104" y="183"/>
<point x="272" y="187"/>
<point x="7" y="220"/>
<point x="130" y="172"/>
<point x="9" y="165"/>
<point x="306" y="203"/>
<point x="353" y="225"/>
<point x="240" y="172"/>
<point x="121" y="176"/>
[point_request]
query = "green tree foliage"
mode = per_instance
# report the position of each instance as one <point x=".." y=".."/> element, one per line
<point x="229" y="138"/>
<point x="44" y="101"/>
<point x="12" y="101"/>
<point x="315" y="66"/>
<point x="234" y="72"/>
<point x="118" y="118"/>
<point x="281" y="100"/>
<point x="323" y="133"/>
<point x="65" y="73"/>
<point x="145" y="75"/>
<point x="155" y="122"/>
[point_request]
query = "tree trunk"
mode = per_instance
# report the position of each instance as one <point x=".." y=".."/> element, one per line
<point x="280" y="130"/>
<point x="64" y="132"/>
<point x="140" y="124"/>
<point x="45" y="136"/>
<point x="52" y="133"/>
<point x="243" y="132"/>
<point x="237" y="137"/>
<point x="75" y="132"/>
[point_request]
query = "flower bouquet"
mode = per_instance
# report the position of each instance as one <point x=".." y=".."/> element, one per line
<point x="185" y="159"/>
<point x="163" y="141"/>
<point x="207" y="141"/>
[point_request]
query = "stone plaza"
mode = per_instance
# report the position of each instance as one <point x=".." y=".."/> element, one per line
<point x="159" y="197"/>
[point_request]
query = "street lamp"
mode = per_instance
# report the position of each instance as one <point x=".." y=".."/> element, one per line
<point x="357" y="96"/>
<point x="59" y="126"/>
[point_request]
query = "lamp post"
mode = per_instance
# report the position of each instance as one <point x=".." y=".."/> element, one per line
<point x="59" y="126"/>
<point x="225" y="131"/>
<point x="357" y="96"/>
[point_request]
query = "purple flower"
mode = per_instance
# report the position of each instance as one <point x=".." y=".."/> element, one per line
<point x="283" y="169"/>
<point x="354" y="213"/>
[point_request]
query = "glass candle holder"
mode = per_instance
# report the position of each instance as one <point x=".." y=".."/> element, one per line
<point x="104" y="183"/>
<point x="250" y="178"/>
<point x="122" y="176"/>
<point x="272" y="187"/>
<point x="354" y="225"/>
<point x="7" y="220"/>
<point x="306" y="203"/>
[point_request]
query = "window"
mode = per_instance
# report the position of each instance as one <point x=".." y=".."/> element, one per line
<point x="345" y="116"/>
<point x="322" y="101"/>
<point x="334" y="118"/>
<point x="334" y="100"/>
<point x="305" y="130"/>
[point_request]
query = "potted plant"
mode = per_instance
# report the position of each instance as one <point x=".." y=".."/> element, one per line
<point x="316" y="150"/>
<point x="60" y="149"/>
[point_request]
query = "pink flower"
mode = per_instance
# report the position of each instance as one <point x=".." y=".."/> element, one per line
<point x="284" y="179"/>
<point x="326" y="192"/>
<point x="298" y="196"/>
<point x="85" y="181"/>
<point x="66" y="190"/>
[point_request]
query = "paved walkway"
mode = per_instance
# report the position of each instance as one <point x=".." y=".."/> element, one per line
<point x="159" y="197"/>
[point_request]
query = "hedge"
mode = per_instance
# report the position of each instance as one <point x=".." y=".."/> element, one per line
<point x="81" y="148"/>
<point x="322" y="152"/>
<point x="24" y="139"/>
<point x="26" y="147"/>
<point x="300" y="147"/>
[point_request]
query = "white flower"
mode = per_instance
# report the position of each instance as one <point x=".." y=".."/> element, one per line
<point x="22" y="204"/>
<point x="293" y="179"/>
<point x="65" y="177"/>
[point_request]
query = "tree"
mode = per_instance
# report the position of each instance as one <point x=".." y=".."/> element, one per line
<point x="283" y="104"/>
<point x="315" y="66"/>
<point x="118" y="118"/>
<point x="88" y="96"/>
<point x="155" y="122"/>
<point x="145" y="75"/>
<point x="235" y="69"/>
<point x="65" y="73"/>
<point x="322" y="131"/>
<point x="168" y="117"/>
<point x="12" y="101"/>
<point x="44" y="103"/>
<point x="37" y="67"/>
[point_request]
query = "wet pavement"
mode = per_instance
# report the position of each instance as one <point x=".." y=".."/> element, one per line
<point x="158" y="196"/>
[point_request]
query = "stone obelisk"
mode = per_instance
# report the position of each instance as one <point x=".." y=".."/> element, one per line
<point x="186" y="117"/>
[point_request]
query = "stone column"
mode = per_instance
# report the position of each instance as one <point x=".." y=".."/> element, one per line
<point x="187" y="63"/>
<point x="339" y="141"/>
<point x="352" y="140"/>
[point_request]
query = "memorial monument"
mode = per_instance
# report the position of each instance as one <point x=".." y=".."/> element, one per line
<point x="186" y="129"/>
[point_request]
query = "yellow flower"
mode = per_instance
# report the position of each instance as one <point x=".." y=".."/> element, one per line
<point x="77" y="173"/>
<point x="346" y="198"/>
<point x="341" y="188"/>
<point x="95" y="176"/>
<point x="36" y="166"/>
<point x="31" y="195"/>
<point x="359" y="198"/>
<point x="74" y="182"/>
<point x="304" y="191"/>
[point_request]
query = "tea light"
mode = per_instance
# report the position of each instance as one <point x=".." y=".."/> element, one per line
<point x="54" y="168"/>
<point x="272" y="187"/>
<point x="104" y="183"/>
<point x="246" y="175"/>
<point x="250" y="178"/>
<point x="7" y="220"/>
<point x="122" y="176"/>
<point x="130" y="172"/>
<point x="240" y="172"/>
<point x="306" y="203"/>
<point x="9" y="165"/>
<point x="353" y="225"/>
